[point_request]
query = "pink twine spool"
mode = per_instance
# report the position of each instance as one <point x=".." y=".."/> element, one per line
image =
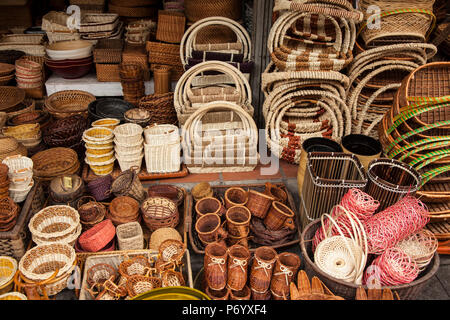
<point x="394" y="267"/>
<point x="357" y="202"/>
<point x="385" y="229"/>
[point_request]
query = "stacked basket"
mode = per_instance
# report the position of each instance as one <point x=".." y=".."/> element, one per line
<point x="139" y="32"/>
<point x="375" y="75"/>
<point x="55" y="25"/>
<point x="132" y="80"/>
<point x="20" y="175"/>
<point x="90" y="6"/>
<point x="9" y="212"/>
<point x="129" y="145"/>
<point x="54" y="162"/>
<point x="415" y="131"/>
<point x="165" y="54"/>
<point x="29" y="74"/>
<point x="66" y="132"/>
<point x="211" y="81"/>
<point x="99" y="150"/>
<point x="220" y="137"/>
<point x="4" y="181"/>
<point x="162" y="148"/>
<point x="237" y="53"/>
<point x="6" y="73"/>
<point x="107" y="57"/>
<point x="29" y="135"/>
<point x="54" y="261"/>
<point x="137" y="54"/>
<point x="95" y="26"/>
<point x="55" y="224"/>
<point x="31" y="44"/>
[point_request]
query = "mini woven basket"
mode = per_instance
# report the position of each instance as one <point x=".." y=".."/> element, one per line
<point x="258" y="203"/>
<point x="172" y="278"/>
<point x="135" y="266"/>
<point x="160" y="212"/>
<point x="99" y="273"/>
<point x="130" y="236"/>
<point x="138" y="284"/>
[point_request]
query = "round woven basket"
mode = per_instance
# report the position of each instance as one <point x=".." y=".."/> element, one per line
<point x="348" y="290"/>
<point x="68" y="102"/>
<point x="162" y="234"/>
<point x="159" y="212"/>
<point x="8" y="268"/>
<point x="123" y="209"/>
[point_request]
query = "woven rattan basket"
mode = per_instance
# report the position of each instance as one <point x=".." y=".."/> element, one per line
<point x="160" y="212"/>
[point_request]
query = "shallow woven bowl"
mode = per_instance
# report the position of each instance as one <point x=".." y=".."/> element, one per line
<point x="75" y="49"/>
<point x="54" y="222"/>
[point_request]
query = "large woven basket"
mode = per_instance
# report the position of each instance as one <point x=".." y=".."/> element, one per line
<point x="347" y="290"/>
<point x="68" y="102"/>
<point x="159" y="212"/>
<point x="413" y="20"/>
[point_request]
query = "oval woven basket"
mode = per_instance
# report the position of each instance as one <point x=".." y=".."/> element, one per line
<point x="68" y="102"/>
<point x="54" y="223"/>
<point x="160" y="212"/>
<point x="347" y="290"/>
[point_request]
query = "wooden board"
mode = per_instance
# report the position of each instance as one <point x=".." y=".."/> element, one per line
<point x="88" y="175"/>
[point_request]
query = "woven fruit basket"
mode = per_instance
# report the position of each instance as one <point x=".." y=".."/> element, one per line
<point x="348" y="290"/>
<point x="291" y="238"/>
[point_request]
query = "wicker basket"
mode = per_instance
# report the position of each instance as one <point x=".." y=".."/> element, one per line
<point x="414" y="20"/>
<point x="170" y="26"/>
<point x="107" y="72"/>
<point x="97" y="237"/>
<point x="54" y="162"/>
<point x="68" y="102"/>
<point x="348" y="290"/>
<point x="197" y="10"/>
<point x="160" y="212"/>
<point x="162" y="148"/>
<point x="123" y="209"/>
<point x="54" y="224"/>
<point x="130" y="236"/>
<point x="128" y="184"/>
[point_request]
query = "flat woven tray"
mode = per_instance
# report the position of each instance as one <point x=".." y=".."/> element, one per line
<point x="219" y="191"/>
<point x="88" y="175"/>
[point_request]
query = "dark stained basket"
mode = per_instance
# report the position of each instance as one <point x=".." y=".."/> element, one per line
<point x="100" y="188"/>
<point x="10" y="56"/>
<point x="348" y="290"/>
<point x="112" y="108"/>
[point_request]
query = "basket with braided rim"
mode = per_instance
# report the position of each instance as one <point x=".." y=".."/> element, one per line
<point x="171" y="253"/>
<point x="172" y="278"/>
<point x="160" y="212"/>
<point x="54" y="162"/>
<point x="123" y="209"/>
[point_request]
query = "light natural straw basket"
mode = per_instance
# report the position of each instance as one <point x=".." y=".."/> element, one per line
<point x="128" y="133"/>
<point x="130" y="236"/>
<point x="162" y="150"/>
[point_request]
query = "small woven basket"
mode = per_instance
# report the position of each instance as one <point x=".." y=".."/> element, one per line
<point x="258" y="203"/>
<point x="128" y="184"/>
<point x="159" y="212"/>
<point x="130" y="236"/>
